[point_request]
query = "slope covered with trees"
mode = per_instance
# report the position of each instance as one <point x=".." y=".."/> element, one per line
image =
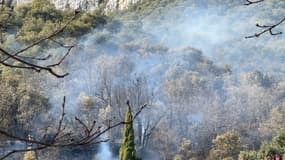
<point x="210" y="93"/>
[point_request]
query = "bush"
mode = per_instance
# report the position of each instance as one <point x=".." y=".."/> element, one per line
<point x="7" y="18"/>
<point x="271" y="150"/>
<point x="226" y="146"/>
<point x="248" y="155"/>
<point x="30" y="155"/>
<point x="40" y="18"/>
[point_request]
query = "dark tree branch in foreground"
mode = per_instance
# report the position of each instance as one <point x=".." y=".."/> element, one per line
<point x="61" y="138"/>
<point x="249" y="2"/>
<point x="265" y="28"/>
<point x="16" y="60"/>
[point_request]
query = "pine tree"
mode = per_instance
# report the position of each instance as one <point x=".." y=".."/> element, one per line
<point x="127" y="150"/>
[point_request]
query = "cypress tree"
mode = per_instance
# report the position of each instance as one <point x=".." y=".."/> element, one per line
<point x="127" y="150"/>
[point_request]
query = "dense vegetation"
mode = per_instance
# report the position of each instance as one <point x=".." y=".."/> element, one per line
<point x="35" y="20"/>
<point x="211" y="94"/>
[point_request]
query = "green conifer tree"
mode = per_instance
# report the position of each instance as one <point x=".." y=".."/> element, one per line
<point x="127" y="150"/>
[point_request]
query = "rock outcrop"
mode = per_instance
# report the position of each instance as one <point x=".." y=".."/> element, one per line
<point x="87" y="5"/>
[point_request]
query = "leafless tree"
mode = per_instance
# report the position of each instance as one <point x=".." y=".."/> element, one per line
<point x="63" y="138"/>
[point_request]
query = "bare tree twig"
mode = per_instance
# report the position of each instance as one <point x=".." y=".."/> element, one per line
<point x="267" y="29"/>
<point x="36" y="58"/>
<point x="21" y="150"/>
<point x="30" y="65"/>
<point x="87" y="130"/>
<point x="53" y="34"/>
<point x="23" y="64"/>
<point x="62" y="59"/>
<point x="59" y="128"/>
<point x="59" y="140"/>
<point x="249" y="2"/>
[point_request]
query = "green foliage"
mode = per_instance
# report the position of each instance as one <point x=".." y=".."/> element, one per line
<point x="42" y="9"/>
<point x="177" y="157"/>
<point x="85" y="23"/>
<point x="226" y="146"/>
<point x="185" y="151"/>
<point x="275" y="148"/>
<point x="30" y="155"/>
<point x="40" y="18"/>
<point x="7" y="18"/>
<point x="22" y="12"/>
<point x="127" y="150"/>
<point x="248" y="155"/>
<point x="279" y="140"/>
<point x="267" y="150"/>
<point x="34" y="29"/>
<point x="20" y="102"/>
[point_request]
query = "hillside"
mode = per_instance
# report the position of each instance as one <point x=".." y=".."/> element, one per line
<point x="210" y="92"/>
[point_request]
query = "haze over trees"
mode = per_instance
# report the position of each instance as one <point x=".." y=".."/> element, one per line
<point x="197" y="87"/>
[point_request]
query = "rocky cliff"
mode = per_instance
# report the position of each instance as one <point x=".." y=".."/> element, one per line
<point x="87" y="5"/>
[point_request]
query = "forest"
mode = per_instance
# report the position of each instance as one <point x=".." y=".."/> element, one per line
<point x="160" y="80"/>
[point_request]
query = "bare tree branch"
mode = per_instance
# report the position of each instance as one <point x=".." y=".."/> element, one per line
<point x="21" y="150"/>
<point x="59" y="128"/>
<point x="36" y="58"/>
<point x="249" y="2"/>
<point x="32" y="66"/>
<point x="24" y="64"/>
<point x="149" y="130"/>
<point x="63" y="139"/>
<point x="52" y="35"/>
<point x="265" y="28"/>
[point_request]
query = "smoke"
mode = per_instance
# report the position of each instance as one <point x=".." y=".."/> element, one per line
<point x="155" y="44"/>
<point x="104" y="152"/>
<point x="176" y="48"/>
<point x="181" y="50"/>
